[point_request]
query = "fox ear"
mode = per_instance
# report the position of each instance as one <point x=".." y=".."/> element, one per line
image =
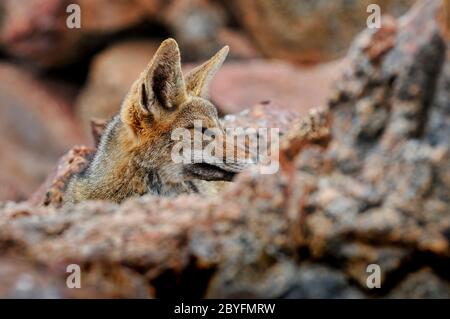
<point x="199" y="79"/>
<point x="162" y="83"/>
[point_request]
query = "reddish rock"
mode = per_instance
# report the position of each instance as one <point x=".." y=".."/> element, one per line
<point x="262" y="115"/>
<point x="196" y="25"/>
<point x="36" y="31"/>
<point x="239" y="85"/>
<point x="36" y="128"/>
<point x="303" y="31"/>
<point x="423" y="284"/>
<point x="52" y="190"/>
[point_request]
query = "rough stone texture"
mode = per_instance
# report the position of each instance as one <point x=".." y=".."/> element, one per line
<point x="422" y="284"/>
<point x="301" y="31"/>
<point x="36" y="128"/>
<point x="240" y="85"/>
<point x="20" y="278"/>
<point x="35" y="31"/>
<point x="262" y="115"/>
<point x="378" y="191"/>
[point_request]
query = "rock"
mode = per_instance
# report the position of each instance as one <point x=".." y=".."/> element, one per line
<point x="239" y="85"/>
<point x="385" y="144"/>
<point x="106" y="16"/>
<point x="423" y="284"/>
<point x="52" y="190"/>
<point x="196" y="25"/>
<point x="20" y="279"/>
<point x="36" y="31"/>
<point x="112" y="73"/>
<point x="286" y="280"/>
<point x="304" y="31"/>
<point x="202" y="28"/>
<point x="241" y="47"/>
<point x="262" y="115"/>
<point x="318" y="282"/>
<point x="36" y="128"/>
<point x="364" y="187"/>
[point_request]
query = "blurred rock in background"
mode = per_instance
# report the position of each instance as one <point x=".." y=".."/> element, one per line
<point x="36" y="128"/>
<point x="307" y="31"/>
<point x="241" y="84"/>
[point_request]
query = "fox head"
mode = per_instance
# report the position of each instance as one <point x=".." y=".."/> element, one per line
<point x="163" y="100"/>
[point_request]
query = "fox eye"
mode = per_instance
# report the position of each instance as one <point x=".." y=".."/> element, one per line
<point x="203" y="129"/>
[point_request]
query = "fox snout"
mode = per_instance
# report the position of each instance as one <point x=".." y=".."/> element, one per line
<point x="223" y="163"/>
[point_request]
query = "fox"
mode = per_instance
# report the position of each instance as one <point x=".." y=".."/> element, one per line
<point x="133" y="157"/>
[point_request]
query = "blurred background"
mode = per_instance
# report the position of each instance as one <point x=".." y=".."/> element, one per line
<point x="53" y="79"/>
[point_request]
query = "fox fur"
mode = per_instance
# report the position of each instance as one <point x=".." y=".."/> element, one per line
<point x="134" y="154"/>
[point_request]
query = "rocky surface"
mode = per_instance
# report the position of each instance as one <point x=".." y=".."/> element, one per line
<point x="52" y="190"/>
<point x="363" y="181"/>
<point x="298" y="31"/>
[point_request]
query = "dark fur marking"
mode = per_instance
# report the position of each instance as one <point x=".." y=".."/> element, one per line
<point x="193" y="187"/>
<point x="159" y="83"/>
<point x="144" y="97"/>
<point x="154" y="182"/>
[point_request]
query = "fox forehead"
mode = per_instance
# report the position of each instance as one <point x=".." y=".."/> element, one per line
<point x="198" y="109"/>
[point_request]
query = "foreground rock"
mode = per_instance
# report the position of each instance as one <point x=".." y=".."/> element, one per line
<point x="371" y="186"/>
<point x="36" y="31"/>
